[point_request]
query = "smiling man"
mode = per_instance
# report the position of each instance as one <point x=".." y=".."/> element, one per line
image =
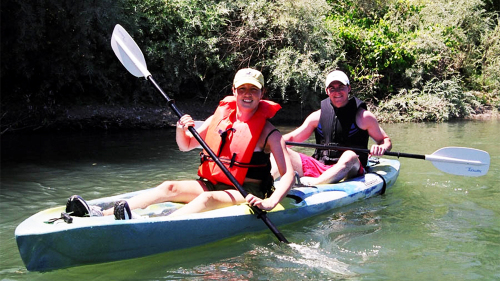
<point x="242" y="138"/>
<point x="341" y="121"/>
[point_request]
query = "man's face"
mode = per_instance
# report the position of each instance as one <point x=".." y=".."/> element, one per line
<point x="338" y="93"/>
<point x="247" y="96"/>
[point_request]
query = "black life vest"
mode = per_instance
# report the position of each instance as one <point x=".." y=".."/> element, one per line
<point x="337" y="126"/>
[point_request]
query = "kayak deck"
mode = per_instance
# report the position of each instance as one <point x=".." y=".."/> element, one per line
<point x="102" y="239"/>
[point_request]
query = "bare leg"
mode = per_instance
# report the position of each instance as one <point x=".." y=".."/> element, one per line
<point x="296" y="164"/>
<point x="211" y="200"/>
<point x="176" y="191"/>
<point x="346" y="167"/>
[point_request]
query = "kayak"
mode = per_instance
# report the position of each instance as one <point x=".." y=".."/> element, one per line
<point x="78" y="241"/>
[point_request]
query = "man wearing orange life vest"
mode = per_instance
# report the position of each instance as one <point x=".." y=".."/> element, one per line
<point x="242" y="137"/>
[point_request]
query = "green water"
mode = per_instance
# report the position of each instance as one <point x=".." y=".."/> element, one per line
<point x="428" y="226"/>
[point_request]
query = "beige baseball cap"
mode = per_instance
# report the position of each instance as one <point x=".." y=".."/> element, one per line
<point x="248" y="76"/>
<point x="336" y="75"/>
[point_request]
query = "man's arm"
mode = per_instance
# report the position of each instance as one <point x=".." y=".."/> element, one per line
<point x="185" y="140"/>
<point x="282" y="162"/>
<point x="305" y="130"/>
<point x="367" y="121"/>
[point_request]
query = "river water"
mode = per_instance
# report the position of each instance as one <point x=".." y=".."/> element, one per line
<point x="428" y="226"/>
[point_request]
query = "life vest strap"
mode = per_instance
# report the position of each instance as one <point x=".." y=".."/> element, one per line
<point x="231" y="162"/>
<point x="223" y="136"/>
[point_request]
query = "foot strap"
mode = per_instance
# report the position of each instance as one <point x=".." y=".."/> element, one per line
<point x="65" y="216"/>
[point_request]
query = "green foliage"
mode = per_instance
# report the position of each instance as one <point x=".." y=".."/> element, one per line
<point x="56" y="54"/>
<point x="437" y="101"/>
<point x="489" y="63"/>
<point x="183" y="44"/>
<point x="289" y="42"/>
<point x="199" y="44"/>
<point x="401" y="46"/>
<point x="375" y="36"/>
<point x="447" y="40"/>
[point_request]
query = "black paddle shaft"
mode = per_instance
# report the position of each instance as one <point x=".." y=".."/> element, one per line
<point x="360" y="150"/>
<point x="260" y="214"/>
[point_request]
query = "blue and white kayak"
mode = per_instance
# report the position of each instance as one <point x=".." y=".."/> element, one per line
<point x="91" y="240"/>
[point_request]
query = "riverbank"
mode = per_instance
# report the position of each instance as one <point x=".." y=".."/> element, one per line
<point x="485" y="113"/>
<point x="152" y="117"/>
<point x="91" y="118"/>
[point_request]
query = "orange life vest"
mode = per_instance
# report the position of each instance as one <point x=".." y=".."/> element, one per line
<point x="234" y="147"/>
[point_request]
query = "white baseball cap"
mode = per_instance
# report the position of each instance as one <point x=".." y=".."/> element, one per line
<point x="336" y="75"/>
<point x="248" y="76"/>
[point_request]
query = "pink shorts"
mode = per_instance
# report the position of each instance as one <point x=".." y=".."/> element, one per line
<point x="313" y="168"/>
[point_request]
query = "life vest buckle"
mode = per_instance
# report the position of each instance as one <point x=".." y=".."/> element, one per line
<point x="203" y="157"/>
<point x="223" y="136"/>
<point x="233" y="160"/>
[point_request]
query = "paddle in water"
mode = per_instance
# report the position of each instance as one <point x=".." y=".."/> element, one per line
<point x="461" y="161"/>
<point x="130" y="55"/>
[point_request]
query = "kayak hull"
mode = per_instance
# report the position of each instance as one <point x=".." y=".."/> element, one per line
<point x="46" y="247"/>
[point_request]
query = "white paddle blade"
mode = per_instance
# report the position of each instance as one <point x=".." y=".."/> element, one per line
<point x="128" y="52"/>
<point x="461" y="161"/>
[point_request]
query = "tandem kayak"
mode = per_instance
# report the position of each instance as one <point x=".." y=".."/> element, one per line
<point x="47" y="246"/>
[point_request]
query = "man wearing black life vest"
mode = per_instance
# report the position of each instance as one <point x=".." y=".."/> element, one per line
<point x="341" y="121"/>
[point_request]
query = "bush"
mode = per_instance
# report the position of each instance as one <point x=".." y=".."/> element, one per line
<point x="290" y="43"/>
<point x="489" y="64"/>
<point x="184" y="44"/>
<point x="56" y="54"/>
<point x="397" y="49"/>
<point x="375" y="37"/>
<point x="447" y="40"/>
<point x="198" y="45"/>
<point x="437" y="101"/>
